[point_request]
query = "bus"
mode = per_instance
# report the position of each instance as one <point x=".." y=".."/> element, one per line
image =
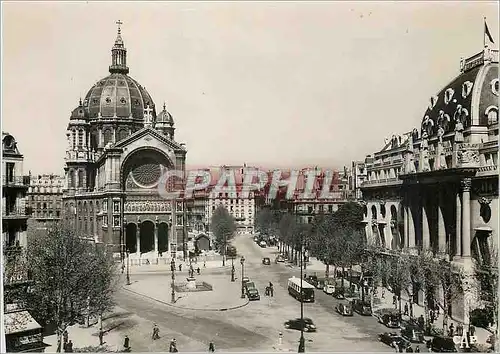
<point x="294" y="289"/>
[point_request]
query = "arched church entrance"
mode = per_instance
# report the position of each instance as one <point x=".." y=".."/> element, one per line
<point x="131" y="237"/>
<point x="147" y="231"/>
<point x="203" y="243"/>
<point x="163" y="237"/>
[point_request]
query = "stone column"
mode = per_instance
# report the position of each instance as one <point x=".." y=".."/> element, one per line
<point x="114" y="135"/>
<point x="466" y="185"/>
<point x="411" y="228"/>
<point x="101" y="138"/>
<point x="156" y="237"/>
<point x="426" y="241"/>
<point x="138" y="239"/>
<point x="441" y="225"/>
<point x="406" y="226"/>
<point x="458" y="235"/>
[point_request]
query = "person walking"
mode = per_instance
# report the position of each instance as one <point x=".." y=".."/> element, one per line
<point x="211" y="347"/>
<point x="417" y="349"/>
<point x="156" y="332"/>
<point x="451" y="330"/>
<point x="173" y="346"/>
<point x="180" y="267"/>
<point x="460" y="329"/>
<point x="271" y="289"/>
<point x="406" y="309"/>
<point x="472" y="330"/>
<point x="69" y="346"/>
<point x="126" y="343"/>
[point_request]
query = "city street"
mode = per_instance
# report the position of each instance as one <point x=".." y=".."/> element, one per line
<point x="257" y="325"/>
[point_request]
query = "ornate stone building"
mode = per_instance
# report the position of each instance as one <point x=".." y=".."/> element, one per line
<point x="44" y="198"/>
<point x="14" y="188"/>
<point x="118" y="150"/>
<point x="436" y="187"/>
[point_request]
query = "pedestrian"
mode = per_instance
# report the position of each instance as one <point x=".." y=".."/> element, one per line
<point x="65" y="337"/>
<point x="472" y="330"/>
<point x="271" y="289"/>
<point x="211" y="347"/>
<point x="396" y="346"/>
<point x="451" y="330"/>
<point x="409" y="349"/>
<point x="173" y="346"/>
<point x="101" y="335"/>
<point x="69" y="346"/>
<point x="198" y="270"/>
<point x="417" y="349"/>
<point x="421" y="321"/>
<point x="411" y="308"/>
<point x="180" y="267"/>
<point x="394" y="300"/>
<point x="156" y="332"/>
<point x="204" y="264"/>
<point x="280" y="338"/>
<point x="460" y="329"/>
<point x="406" y="309"/>
<point x="126" y="343"/>
<point x="383" y="293"/>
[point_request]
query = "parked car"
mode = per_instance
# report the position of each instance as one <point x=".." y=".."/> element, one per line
<point x="443" y="345"/>
<point x="339" y="293"/>
<point x="362" y="307"/>
<point x="388" y="317"/>
<point x="413" y="334"/>
<point x="253" y="294"/>
<point x="312" y="279"/>
<point x="263" y="244"/>
<point x="306" y="324"/>
<point x="245" y="280"/>
<point x="350" y="294"/>
<point x="266" y="261"/>
<point x="320" y="284"/>
<point x="344" y="309"/>
<point x="279" y="259"/>
<point x="329" y="289"/>
<point x="392" y="338"/>
<point x="249" y="285"/>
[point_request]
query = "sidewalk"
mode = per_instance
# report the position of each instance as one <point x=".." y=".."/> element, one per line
<point x="225" y="295"/>
<point x="165" y="267"/>
<point x="418" y="310"/>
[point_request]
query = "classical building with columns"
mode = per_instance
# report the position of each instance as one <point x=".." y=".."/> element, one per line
<point x="119" y="148"/>
<point x="436" y="187"/>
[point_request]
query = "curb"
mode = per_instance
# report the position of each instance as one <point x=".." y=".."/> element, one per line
<point x="188" y="308"/>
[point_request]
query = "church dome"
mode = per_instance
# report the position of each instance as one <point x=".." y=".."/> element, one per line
<point x="118" y="95"/>
<point x="164" y="116"/>
<point x="470" y="98"/>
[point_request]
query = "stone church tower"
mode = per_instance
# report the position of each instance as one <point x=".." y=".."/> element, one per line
<point x="118" y="150"/>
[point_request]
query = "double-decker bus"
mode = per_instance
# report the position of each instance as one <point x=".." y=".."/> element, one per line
<point x="295" y="289"/>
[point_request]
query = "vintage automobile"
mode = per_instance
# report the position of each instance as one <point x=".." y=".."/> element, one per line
<point x="413" y="333"/>
<point x="329" y="289"/>
<point x="392" y="339"/>
<point x="339" y="293"/>
<point x="306" y="324"/>
<point x="344" y="309"/>
<point x="253" y="294"/>
<point x="443" y="345"/>
<point x="362" y="307"/>
<point x="266" y="261"/>
<point x="388" y="317"/>
<point x="279" y="259"/>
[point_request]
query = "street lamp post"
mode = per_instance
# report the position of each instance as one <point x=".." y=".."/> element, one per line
<point x="302" y="341"/>
<point x="232" y="268"/>
<point x="128" y="266"/>
<point x="172" y="268"/>
<point x="242" y="262"/>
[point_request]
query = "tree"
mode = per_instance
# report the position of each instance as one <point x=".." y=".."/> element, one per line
<point x="397" y="268"/>
<point x="71" y="278"/>
<point x="349" y="216"/>
<point x="286" y="225"/>
<point x="450" y="278"/>
<point x="322" y="241"/>
<point x="265" y="221"/>
<point x="486" y="271"/>
<point x="223" y="226"/>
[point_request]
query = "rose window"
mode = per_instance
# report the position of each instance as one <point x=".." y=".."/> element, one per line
<point x="147" y="175"/>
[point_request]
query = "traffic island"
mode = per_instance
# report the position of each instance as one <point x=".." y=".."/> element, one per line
<point x="223" y="296"/>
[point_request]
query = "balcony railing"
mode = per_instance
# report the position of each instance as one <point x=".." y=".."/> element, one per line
<point x="393" y="180"/>
<point x="15" y="181"/>
<point x="12" y="213"/>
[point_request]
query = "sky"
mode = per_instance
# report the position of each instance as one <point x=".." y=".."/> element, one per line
<point x="283" y="84"/>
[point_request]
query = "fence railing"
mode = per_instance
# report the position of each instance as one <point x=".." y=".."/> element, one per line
<point x="22" y="181"/>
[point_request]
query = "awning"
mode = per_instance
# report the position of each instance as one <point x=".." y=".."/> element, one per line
<point x="483" y="228"/>
<point x="18" y="322"/>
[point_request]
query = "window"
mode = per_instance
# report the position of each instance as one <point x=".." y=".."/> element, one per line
<point x="10" y="171"/>
<point x="105" y="206"/>
<point x="116" y="221"/>
<point x="105" y="220"/>
<point x="80" y="137"/>
<point x="116" y="206"/>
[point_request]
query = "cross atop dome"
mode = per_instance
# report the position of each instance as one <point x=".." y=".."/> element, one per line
<point x="119" y="54"/>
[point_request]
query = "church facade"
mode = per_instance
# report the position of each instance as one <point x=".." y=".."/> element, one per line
<point x="119" y="148"/>
<point x="436" y="187"/>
